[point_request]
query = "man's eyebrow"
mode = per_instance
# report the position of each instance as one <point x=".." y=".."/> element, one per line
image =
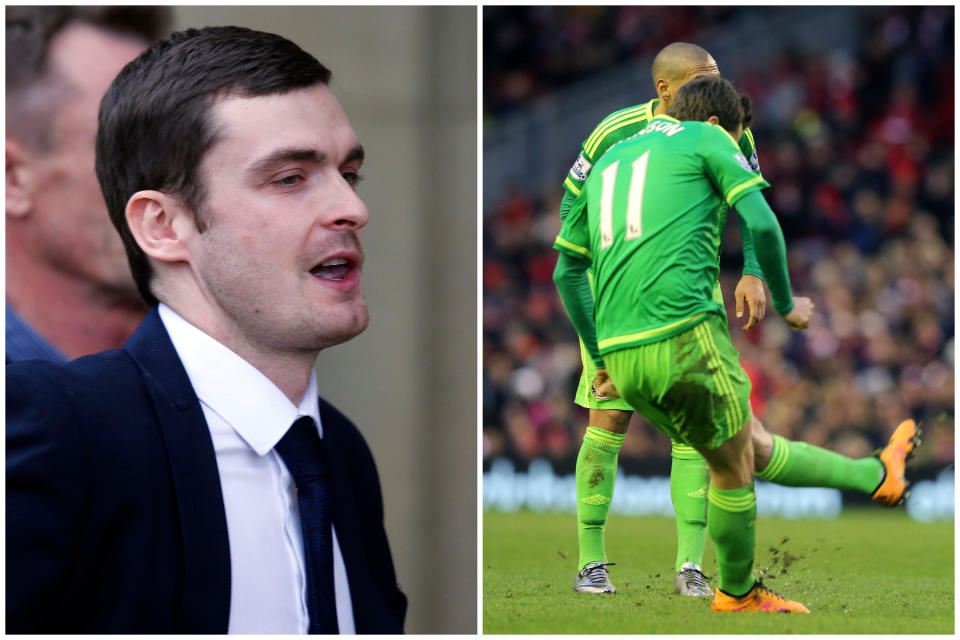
<point x="357" y="153"/>
<point x="281" y="156"/>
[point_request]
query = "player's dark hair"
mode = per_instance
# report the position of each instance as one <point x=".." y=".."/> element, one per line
<point x="712" y="96"/>
<point x="30" y="32"/>
<point x="156" y="118"/>
<point x="747" y="105"/>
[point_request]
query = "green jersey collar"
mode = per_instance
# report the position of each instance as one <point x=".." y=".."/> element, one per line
<point x="664" y="116"/>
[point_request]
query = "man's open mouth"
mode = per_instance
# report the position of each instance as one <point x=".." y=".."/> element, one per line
<point x="335" y="269"/>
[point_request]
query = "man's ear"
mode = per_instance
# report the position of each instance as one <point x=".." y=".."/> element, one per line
<point x="20" y="177"/>
<point x="714" y="120"/>
<point x="663" y="89"/>
<point x="160" y="225"/>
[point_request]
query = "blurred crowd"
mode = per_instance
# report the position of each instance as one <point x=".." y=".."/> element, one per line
<point x="859" y="152"/>
<point x="530" y="51"/>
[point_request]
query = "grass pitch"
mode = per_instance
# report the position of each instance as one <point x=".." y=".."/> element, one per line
<point x="869" y="571"/>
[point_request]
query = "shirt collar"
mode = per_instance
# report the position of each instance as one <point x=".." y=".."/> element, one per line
<point x="236" y="390"/>
<point x="664" y="116"/>
<point x="651" y="107"/>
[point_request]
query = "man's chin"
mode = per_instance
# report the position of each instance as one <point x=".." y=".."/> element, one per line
<point x="344" y="327"/>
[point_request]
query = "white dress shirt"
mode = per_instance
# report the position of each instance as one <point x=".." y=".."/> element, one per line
<point x="247" y="415"/>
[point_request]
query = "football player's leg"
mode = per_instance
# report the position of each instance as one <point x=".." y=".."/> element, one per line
<point x="595" y="475"/>
<point x="689" y="481"/>
<point x="732" y="511"/>
<point x="596" y="472"/>
<point x="732" y="518"/>
<point x="641" y="374"/>
<point x="709" y="402"/>
<point x="798" y="464"/>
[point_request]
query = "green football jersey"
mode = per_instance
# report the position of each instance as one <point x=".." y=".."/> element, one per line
<point x="616" y="127"/>
<point x="649" y="221"/>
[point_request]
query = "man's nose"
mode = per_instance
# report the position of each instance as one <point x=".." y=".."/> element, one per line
<point x="348" y="211"/>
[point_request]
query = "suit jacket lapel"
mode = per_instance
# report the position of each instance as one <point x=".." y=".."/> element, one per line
<point x="370" y="612"/>
<point x="193" y="469"/>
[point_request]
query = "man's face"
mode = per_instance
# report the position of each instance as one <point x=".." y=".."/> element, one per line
<point x="279" y="263"/>
<point x="73" y="229"/>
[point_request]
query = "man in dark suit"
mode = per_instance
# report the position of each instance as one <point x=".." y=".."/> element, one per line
<point x="192" y="481"/>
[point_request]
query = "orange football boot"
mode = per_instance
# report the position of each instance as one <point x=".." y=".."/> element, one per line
<point x="758" y="599"/>
<point x="893" y="490"/>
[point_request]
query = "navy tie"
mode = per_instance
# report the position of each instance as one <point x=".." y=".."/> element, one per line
<point x="303" y="452"/>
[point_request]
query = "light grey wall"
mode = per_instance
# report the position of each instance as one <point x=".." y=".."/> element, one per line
<point x="406" y="77"/>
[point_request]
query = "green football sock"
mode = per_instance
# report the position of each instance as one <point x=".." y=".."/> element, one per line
<point x="596" y="473"/>
<point x="798" y="464"/>
<point x="689" y="478"/>
<point x="732" y="516"/>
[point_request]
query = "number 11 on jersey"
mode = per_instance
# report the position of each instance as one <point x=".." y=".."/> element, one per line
<point x="634" y="200"/>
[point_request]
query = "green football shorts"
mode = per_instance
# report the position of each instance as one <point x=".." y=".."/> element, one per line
<point x="585" y="396"/>
<point x="690" y="386"/>
<point x="588" y="373"/>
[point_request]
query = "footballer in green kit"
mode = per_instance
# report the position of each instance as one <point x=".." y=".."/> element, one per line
<point x="654" y="270"/>
<point x="675" y="65"/>
<point x="648" y="223"/>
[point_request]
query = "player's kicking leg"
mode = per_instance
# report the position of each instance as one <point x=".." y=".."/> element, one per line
<point x="798" y="464"/>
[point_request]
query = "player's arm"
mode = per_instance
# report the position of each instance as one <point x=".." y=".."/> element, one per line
<point x="771" y="252"/>
<point x="750" y="288"/>
<point x="751" y="266"/>
<point x="566" y="202"/>
<point x="573" y="183"/>
<point x="570" y="276"/>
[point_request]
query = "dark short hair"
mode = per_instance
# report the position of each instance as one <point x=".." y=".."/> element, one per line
<point x="30" y="30"/>
<point x="712" y="96"/>
<point x="156" y="118"/>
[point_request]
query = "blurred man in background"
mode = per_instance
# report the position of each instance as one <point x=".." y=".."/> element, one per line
<point x="69" y="289"/>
